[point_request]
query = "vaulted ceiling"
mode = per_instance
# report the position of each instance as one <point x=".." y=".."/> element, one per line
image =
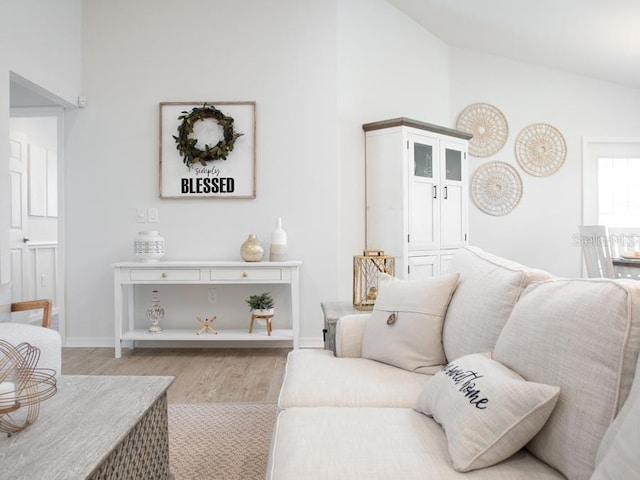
<point x="596" y="38"/>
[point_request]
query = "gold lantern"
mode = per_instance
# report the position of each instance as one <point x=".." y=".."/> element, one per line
<point x="366" y="270"/>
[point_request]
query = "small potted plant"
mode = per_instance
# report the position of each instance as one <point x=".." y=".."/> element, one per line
<point x="261" y="304"/>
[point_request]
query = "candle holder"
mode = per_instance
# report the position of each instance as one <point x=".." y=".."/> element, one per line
<point x="366" y="270"/>
<point x="155" y="313"/>
<point x="22" y="386"/>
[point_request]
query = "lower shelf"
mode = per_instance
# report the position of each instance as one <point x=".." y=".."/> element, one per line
<point x="222" y="335"/>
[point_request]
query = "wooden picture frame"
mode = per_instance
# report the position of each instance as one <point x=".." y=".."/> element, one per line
<point x="233" y="177"/>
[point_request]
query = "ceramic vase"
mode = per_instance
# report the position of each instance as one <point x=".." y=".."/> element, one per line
<point x="149" y="246"/>
<point x="278" y="248"/>
<point x="252" y="250"/>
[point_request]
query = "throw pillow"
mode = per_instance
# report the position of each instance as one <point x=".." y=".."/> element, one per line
<point x="405" y="328"/>
<point x="584" y="336"/>
<point x="487" y="410"/>
<point x="5" y="302"/>
<point x="489" y="288"/>
<point x="618" y="453"/>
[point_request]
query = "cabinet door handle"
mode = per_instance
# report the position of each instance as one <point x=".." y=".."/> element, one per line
<point x="435" y="191"/>
<point x="445" y="193"/>
<point x="245" y="274"/>
<point x="164" y="275"/>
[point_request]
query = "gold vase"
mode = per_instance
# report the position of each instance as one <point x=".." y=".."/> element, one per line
<point x="252" y="250"/>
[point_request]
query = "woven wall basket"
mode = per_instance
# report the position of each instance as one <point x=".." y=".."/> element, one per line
<point x="540" y="149"/>
<point x="496" y="188"/>
<point x="488" y="126"/>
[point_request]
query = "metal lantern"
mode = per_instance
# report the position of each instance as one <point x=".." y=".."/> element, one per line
<point x="366" y="270"/>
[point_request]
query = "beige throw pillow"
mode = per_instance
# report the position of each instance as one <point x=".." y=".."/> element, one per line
<point x="405" y="328"/>
<point x="488" y="411"/>
<point x="584" y="336"/>
<point x="489" y="288"/>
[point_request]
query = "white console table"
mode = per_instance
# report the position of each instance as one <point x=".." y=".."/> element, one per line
<point x="129" y="274"/>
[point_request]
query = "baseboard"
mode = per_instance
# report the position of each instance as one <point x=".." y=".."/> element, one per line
<point x="88" y="342"/>
<point x="96" y="342"/>
<point x="311" y="342"/>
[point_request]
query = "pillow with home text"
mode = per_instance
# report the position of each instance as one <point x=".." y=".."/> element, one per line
<point x="487" y="410"/>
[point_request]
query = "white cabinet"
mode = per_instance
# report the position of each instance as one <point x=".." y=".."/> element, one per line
<point x="416" y="194"/>
<point x="127" y="275"/>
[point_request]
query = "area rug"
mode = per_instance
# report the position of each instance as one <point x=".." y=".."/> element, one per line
<point x="220" y="440"/>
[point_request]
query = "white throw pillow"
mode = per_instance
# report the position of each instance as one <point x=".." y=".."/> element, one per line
<point x="618" y="453"/>
<point x="584" y="336"/>
<point x="487" y="410"/>
<point x="489" y="288"/>
<point x="405" y="328"/>
<point x="5" y="302"/>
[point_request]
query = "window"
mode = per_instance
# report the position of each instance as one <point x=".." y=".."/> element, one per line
<point x="618" y="191"/>
<point x="611" y="182"/>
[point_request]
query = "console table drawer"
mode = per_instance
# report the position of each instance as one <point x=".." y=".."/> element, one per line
<point x="222" y="274"/>
<point x="169" y="275"/>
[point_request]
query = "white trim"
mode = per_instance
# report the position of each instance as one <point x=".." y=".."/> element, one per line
<point x="311" y="342"/>
<point x="93" y="342"/>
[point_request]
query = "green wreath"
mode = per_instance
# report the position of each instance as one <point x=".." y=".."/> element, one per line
<point x="187" y="145"/>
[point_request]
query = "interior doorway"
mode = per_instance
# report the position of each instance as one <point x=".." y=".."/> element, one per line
<point x="36" y="167"/>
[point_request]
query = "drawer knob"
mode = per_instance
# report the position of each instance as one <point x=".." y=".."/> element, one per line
<point x="164" y="274"/>
<point x="245" y="274"/>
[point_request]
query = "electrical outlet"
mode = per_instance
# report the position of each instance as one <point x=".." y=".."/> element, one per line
<point x="153" y="215"/>
<point x="212" y="296"/>
<point x="141" y="215"/>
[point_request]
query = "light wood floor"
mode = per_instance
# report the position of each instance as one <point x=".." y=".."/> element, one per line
<point x="214" y="375"/>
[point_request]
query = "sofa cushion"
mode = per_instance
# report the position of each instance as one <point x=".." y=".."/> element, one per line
<point x="583" y="336"/>
<point x="489" y="288"/>
<point x="405" y="328"/>
<point x="5" y="302"/>
<point x="618" y="453"/>
<point x="376" y="444"/>
<point x="488" y="411"/>
<point x="317" y="378"/>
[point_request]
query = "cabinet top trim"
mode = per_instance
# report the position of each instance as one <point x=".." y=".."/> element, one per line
<point x="207" y="264"/>
<point x="408" y="122"/>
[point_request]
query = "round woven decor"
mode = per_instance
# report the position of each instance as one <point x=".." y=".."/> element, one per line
<point x="496" y="188"/>
<point x="488" y="126"/>
<point x="540" y="149"/>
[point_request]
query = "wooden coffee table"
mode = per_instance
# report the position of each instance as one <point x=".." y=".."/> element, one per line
<point x="94" y="427"/>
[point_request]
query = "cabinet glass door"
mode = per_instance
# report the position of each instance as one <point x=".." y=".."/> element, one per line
<point x="423" y="160"/>
<point x="453" y="207"/>
<point x="453" y="160"/>
<point x="423" y="193"/>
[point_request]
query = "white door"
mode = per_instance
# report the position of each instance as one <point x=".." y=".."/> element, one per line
<point x="453" y="206"/>
<point x="423" y="193"/>
<point x="18" y="232"/>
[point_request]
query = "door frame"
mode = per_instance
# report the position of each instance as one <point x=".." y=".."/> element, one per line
<point x="58" y="113"/>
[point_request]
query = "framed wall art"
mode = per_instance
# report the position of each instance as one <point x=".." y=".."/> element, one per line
<point x="207" y="150"/>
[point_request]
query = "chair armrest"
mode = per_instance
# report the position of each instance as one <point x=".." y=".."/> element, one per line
<point x="349" y="334"/>
<point x="44" y="304"/>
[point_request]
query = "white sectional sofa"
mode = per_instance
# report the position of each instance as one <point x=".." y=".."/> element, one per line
<point x="548" y="398"/>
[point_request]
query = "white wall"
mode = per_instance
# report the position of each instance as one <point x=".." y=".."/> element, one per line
<point x="388" y="66"/>
<point x="40" y="42"/>
<point x="279" y="53"/>
<point x="538" y="232"/>
<point x="317" y="71"/>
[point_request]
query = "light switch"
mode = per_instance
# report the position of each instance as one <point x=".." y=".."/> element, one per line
<point x="153" y="215"/>
<point x="141" y="215"/>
